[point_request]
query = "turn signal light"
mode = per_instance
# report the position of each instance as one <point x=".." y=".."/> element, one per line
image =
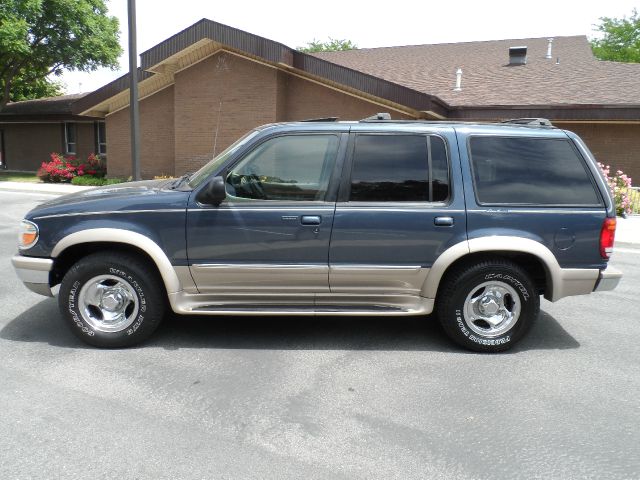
<point x="28" y="234"/>
<point x="607" y="236"/>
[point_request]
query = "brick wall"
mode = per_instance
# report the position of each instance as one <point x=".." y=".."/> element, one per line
<point x="85" y="140"/>
<point x="156" y="137"/>
<point x="222" y="93"/>
<point x="305" y="99"/>
<point x="27" y="145"/>
<point x="616" y="145"/>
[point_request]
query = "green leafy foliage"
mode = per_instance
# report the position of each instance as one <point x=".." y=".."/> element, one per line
<point x="331" y="45"/>
<point x="93" y="181"/>
<point x="40" y="38"/>
<point x="621" y="39"/>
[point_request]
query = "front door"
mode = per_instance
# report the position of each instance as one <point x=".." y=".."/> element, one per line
<point x="396" y="212"/>
<point x="271" y="235"/>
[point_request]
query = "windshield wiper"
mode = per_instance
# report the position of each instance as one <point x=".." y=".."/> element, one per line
<point x="180" y="180"/>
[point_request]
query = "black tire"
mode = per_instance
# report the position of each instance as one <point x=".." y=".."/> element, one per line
<point x="457" y="310"/>
<point x="139" y="296"/>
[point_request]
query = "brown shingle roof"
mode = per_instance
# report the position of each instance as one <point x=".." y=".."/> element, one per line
<point x="578" y="78"/>
<point x="60" y="105"/>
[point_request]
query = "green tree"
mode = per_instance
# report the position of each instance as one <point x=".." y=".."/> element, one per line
<point x="40" y="38"/>
<point x="332" y="45"/>
<point x="621" y="39"/>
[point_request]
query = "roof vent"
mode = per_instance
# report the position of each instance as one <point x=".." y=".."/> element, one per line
<point x="517" y="55"/>
<point x="549" y="46"/>
<point x="458" y="80"/>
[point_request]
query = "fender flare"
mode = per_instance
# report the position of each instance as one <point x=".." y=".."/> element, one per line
<point x="115" y="235"/>
<point x="495" y="244"/>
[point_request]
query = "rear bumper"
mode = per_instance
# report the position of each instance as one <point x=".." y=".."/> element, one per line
<point x="34" y="273"/>
<point x="608" y="280"/>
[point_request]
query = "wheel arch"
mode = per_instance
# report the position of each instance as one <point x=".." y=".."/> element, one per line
<point x="91" y="240"/>
<point x="537" y="259"/>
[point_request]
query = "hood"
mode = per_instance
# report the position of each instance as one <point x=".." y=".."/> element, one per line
<point x="144" y="195"/>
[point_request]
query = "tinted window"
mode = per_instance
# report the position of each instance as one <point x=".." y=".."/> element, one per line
<point x="395" y="168"/>
<point x="296" y="167"/>
<point x="537" y="171"/>
<point x="439" y="169"/>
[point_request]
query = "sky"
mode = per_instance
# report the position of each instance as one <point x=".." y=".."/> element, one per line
<point x="368" y="24"/>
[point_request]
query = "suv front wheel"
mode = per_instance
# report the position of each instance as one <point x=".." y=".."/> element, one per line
<point x="488" y="306"/>
<point x="112" y="300"/>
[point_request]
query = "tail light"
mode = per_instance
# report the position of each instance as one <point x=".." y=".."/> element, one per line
<point x="607" y="236"/>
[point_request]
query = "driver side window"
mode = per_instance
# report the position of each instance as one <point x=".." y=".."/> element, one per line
<point x="293" y="167"/>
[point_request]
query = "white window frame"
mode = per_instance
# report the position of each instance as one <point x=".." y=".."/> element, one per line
<point x="68" y="150"/>
<point x="101" y="143"/>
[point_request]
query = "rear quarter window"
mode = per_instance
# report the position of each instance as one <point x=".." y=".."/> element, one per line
<point x="530" y="171"/>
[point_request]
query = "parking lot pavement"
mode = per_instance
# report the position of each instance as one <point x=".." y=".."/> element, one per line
<point x="319" y="398"/>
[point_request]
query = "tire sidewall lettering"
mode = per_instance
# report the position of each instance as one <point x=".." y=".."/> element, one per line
<point x="76" y="316"/>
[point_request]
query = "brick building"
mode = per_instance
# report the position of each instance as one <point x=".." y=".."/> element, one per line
<point x="31" y="130"/>
<point x="209" y="84"/>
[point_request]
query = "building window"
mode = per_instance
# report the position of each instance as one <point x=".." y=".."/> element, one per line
<point x="101" y="138"/>
<point x="70" y="138"/>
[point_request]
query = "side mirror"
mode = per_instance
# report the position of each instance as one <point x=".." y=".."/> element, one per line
<point x="213" y="193"/>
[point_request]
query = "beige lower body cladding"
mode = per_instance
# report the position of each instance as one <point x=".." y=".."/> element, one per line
<point x="217" y="100"/>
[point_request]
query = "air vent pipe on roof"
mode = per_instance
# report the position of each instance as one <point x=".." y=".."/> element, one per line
<point x="517" y="55"/>
<point x="458" y="80"/>
<point x="549" y="45"/>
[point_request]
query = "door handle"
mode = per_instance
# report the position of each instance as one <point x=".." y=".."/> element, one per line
<point x="443" y="221"/>
<point x="310" y="220"/>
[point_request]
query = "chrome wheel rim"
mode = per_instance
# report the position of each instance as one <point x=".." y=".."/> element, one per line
<point x="492" y="309"/>
<point x="108" y="303"/>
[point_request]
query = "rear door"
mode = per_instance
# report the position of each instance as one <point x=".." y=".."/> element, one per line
<point x="400" y="206"/>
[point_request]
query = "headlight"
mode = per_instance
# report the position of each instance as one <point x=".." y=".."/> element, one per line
<point x="28" y="234"/>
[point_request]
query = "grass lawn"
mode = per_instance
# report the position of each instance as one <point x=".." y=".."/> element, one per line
<point x="18" y="177"/>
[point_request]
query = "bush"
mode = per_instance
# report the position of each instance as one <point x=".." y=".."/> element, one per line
<point x="59" y="169"/>
<point x="93" y="181"/>
<point x="65" y="168"/>
<point x="620" y="185"/>
<point x="94" y="166"/>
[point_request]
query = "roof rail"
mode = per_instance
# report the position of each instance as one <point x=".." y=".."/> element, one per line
<point x="377" y="116"/>
<point x="325" y="119"/>
<point x="540" y="122"/>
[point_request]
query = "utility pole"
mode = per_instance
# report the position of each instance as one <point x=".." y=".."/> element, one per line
<point x="133" y="93"/>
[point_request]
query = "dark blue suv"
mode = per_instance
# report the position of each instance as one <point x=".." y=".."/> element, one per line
<point x="473" y="222"/>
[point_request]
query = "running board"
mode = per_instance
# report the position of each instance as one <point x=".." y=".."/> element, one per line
<point x="392" y="305"/>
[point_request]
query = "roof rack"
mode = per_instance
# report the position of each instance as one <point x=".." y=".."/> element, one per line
<point x="325" y="119"/>
<point x="377" y="116"/>
<point x="540" y="122"/>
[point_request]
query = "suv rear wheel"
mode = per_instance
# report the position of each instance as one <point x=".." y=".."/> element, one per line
<point x="111" y="300"/>
<point x="488" y="306"/>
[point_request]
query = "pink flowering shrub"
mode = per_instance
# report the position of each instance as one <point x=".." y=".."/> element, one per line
<point x="59" y="169"/>
<point x="63" y="168"/>
<point x="620" y="185"/>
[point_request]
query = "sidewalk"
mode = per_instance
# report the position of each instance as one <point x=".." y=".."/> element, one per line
<point x="627" y="231"/>
<point x="47" y="188"/>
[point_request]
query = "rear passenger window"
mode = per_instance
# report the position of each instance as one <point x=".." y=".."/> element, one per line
<point x="531" y="171"/>
<point x="399" y="168"/>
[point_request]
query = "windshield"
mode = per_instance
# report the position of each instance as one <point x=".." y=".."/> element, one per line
<point x="198" y="177"/>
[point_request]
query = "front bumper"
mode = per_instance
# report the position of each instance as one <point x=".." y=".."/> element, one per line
<point x="34" y="273"/>
<point x="608" y="280"/>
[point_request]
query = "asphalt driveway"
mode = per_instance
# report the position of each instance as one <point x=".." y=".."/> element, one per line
<point x="319" y="398"/>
